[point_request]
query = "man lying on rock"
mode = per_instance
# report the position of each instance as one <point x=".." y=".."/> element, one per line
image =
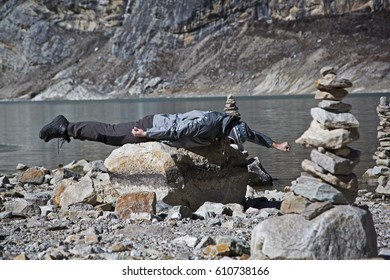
<point x="186" y="130"/>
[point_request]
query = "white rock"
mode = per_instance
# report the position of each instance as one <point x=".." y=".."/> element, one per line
<point x="341" y="233"/>
<point x="179" y="176"/>
<point x="334" y="120"/>
<point x="318" y="136"/>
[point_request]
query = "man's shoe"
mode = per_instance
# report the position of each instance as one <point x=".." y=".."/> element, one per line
<point x="58" y="128"/>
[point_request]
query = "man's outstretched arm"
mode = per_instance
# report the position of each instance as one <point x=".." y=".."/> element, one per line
<point x="284" y="146"/>
<point x="264" y="140"/>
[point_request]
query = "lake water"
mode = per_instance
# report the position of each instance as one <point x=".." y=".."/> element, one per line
<point x="282" y="118"/>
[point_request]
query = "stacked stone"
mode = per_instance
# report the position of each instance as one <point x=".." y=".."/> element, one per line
<point x="231" y="106"/>
<point x="382" y="154"/>
<point x="328" y="174"/>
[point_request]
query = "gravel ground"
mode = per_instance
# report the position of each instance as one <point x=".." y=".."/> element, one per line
<point x="87" y="233"/>
<point x="379" y="206"/>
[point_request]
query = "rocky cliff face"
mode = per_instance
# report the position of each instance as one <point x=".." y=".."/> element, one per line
<point x="89" y="49"/>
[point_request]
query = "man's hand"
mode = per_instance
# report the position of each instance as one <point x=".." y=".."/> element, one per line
<point x="285" y="146"/>
<point x="138" y="132"/>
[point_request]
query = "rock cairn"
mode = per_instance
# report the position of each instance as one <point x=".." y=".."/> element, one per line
<point x="231" y="106"/>
<point x="328" y="174"/>
<point x="327" y="182"/>
<point x="382" y="154"/>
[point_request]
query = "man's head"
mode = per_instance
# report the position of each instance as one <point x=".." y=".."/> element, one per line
<point x="238" y="134"/>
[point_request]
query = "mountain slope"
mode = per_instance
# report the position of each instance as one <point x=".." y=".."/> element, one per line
<point x="64" y="49"/>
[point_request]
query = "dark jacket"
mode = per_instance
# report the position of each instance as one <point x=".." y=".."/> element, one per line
<point x="190" y="129"/>
<point x="199" y="128"/>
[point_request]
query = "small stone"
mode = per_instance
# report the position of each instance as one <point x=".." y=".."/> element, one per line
<point x="21" y="167"/>
<point x="380" y="170"/>
<point x="383" y="101"/>
<point x="335" y="106"/>
<point x="329" y="84"/>
<point x="217" y="250"/>
<point x="343" y="151"/>
<point x="105" y="207"/>
<point x="179" y="212"/>
<point x="315" y="209"/>
<point x="383" y="162"/>
<point x="211" y="207"/>
<point x="294" y="204"/>
<point x="33" y="175"/>
<point x="213" y="222"/>
<point x="4" y="180"/>
<point x="335" y="164"/>
<point x="73" y="238"/>
<point x="135" y="203"/>
<point x="46" y="209"/>
<point x="317" y="190"/>
<point x="321" y="150"/>
<point x="90" y="236"/>
<point x="190" y="241"/>
<point x="69" y="192"/>
<point x="348" y="182"/>
<point x="334" y="120"/>
<point x="318" y="136"/>
<point x="22" y="206"/>
<point x="228" y="224"/>
<point x="77" y="166"/>
<point x="237" y="246"/>
<point x="21" y="257"/>
<point x="334" y="94"/>
<point x="204" y="242"/>
<point x="383" y="189"/>
<point x="238" y="209"/>
<point x="118" y="247"/>
<point x="258" y="176"/>
<point x="140" y="216"/>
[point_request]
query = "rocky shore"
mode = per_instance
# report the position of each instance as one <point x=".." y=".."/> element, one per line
<point x="33" y="226"/>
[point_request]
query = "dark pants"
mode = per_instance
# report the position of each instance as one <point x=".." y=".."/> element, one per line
<point x="110" y="134"/>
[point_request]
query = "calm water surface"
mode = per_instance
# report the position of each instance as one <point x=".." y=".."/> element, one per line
<point x="282" y="118"/>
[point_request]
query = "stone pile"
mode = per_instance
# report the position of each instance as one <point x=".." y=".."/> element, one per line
<point x="328" y="174"/>
<point x="382" y="154"/>
<point x="231" y="106"/>
<point x="320" y="199"/>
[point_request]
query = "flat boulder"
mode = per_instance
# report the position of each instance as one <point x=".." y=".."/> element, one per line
<point x="180" y="176"/>
<point x="334" y="120"/>
<point x="318" y="136"/>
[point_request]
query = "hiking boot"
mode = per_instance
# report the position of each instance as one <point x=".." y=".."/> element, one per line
<point x="58" y="128"/>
